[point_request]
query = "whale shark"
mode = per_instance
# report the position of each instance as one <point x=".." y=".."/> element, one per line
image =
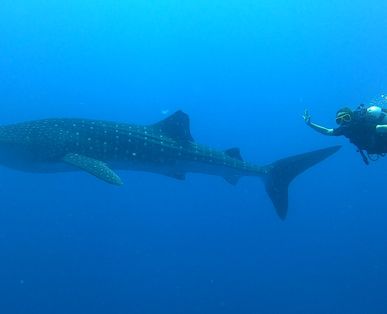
<point x="100" y="148"/>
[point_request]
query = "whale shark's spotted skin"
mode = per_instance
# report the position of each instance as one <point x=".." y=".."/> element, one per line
<point x="52" y="139"/>
<point x="98" y="147"/>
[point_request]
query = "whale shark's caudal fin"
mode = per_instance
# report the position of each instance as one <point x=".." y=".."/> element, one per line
<point x="282" y="172"/>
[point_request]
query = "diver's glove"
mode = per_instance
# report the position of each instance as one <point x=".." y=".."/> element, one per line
<point x="307" y="117"/>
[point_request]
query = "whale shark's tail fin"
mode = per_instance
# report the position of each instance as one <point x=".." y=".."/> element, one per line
<point x="282" y="172"/>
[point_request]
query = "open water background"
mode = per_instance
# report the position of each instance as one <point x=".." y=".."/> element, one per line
<point x="244" y="71"/>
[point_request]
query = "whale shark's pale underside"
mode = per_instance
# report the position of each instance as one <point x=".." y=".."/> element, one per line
<point x="167" y="147"/>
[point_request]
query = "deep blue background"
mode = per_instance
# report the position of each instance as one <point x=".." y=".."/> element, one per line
<point x="244" y="71"/>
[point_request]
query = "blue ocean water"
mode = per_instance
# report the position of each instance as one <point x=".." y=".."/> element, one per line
<point x="244" y="71"/>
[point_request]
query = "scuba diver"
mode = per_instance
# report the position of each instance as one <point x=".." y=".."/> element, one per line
<point x="365" y="127"/>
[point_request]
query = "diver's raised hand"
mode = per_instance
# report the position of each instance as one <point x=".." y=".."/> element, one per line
<point x="307" y="117"/>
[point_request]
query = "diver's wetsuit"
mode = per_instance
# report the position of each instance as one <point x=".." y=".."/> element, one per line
<point x="362" y="133"/>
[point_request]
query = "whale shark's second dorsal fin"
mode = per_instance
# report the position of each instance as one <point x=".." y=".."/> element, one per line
<point x="234" y="153"/>
<point x="177" y="127"/>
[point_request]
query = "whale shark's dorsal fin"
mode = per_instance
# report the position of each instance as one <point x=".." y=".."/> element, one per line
<point x="93" y="166"/>
<point x="234" y="153"/>
<point x="177" y="127"/>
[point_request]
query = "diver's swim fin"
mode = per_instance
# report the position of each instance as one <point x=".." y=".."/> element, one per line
<point x="282" y="172"/>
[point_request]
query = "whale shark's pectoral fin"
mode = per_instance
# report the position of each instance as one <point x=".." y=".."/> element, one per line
<point x="93" y="166"/>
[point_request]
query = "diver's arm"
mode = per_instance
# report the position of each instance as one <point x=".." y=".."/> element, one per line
<point x="381" y="128"/>
<point x="321" y="129"/>
<point x="316" y="127"/>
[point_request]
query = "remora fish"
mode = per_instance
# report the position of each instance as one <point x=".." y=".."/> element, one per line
<point x="167" y="147"/>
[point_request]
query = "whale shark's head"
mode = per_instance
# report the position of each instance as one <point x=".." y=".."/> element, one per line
<point x="14" y="156"/>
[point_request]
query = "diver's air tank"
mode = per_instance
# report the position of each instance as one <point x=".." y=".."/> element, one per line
<point x="376" y="113"/>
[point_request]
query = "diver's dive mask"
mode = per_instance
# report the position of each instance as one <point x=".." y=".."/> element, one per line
<point x="343" y="117"/>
